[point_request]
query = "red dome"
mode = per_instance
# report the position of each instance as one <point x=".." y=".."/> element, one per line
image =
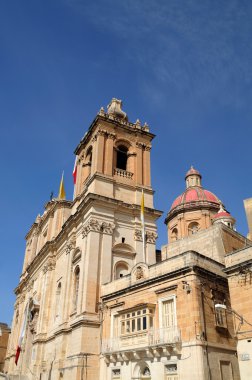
<point x="223" y="214"/>
<point x="195" y="194"/>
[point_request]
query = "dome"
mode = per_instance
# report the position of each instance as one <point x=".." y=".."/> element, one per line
<point x="223" y="216"/>
<point x="195" y="197"/>
<point x="195" y="194"/>
<point x="192" y="171"/>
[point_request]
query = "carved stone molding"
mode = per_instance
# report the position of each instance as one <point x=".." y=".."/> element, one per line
<point x="97" y="226"/>
<point x="50" y="265"/>
<point x="102" y="132"/>
<point x="147" y="147"/>
<point x="91" y="225"/>
<point x="138" y="235"/>
<point x="139" y="272"/>
<point x="30" y="285"/>
<point x="111" y="136"/>
<point x="107" y="228"/>
<point x="151" y="237"/>
<point x="71" y="245"/>
<point x="140" y="144"/>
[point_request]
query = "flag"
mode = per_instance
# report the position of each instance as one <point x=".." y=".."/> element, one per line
<point x="21" y="337"/>
<point x="62" y="194"/>
<point x="75" y="170"/>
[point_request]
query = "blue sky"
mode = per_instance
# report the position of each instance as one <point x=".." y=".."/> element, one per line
<point x="182" y="66"/>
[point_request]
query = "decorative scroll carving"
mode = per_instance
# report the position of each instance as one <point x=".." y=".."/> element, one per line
<point x="97" y="226"/>
<point x="151" y="237"/>
<point x="107" y="228"/>
<point x="138" y="235"/>
<point x="30" y="285"/>
<point x="50" y="265"/>
<point x="102" y="132"/>
<point x="111" y="135"/>
<point x="143" y="146"/>
<point x="139" y="272"/>
<point x="71" y="245"/>
<point x="91" y="225"/>
<point x="148" y="147"/>
<point x="140" y="144"/>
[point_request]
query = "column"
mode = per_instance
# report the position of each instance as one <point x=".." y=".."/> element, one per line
<point x="100" y="152"/>
<point x="139" y="163"/>
<point x="146" y="166"/>
<point x="109" y="148"/>
<point x="106" y="254"/>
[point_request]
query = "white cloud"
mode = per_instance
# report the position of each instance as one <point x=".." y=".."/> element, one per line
<point x="193" y="48"/>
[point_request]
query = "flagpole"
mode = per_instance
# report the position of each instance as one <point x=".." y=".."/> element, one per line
<point x="143" y="226"/>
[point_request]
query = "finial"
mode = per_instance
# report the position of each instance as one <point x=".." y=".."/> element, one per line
<point x="221" y="209"/>
<point x="101" y="112"/>
<point x="146" y="127"/>
<point x="137" y="123"/>
<point x="115" y="109"/>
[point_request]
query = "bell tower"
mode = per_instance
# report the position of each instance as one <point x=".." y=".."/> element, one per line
<point x="113" y="171"/>
<point x="113" y="158"/>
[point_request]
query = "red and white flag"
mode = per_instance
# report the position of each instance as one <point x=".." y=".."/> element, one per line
<point x="22" y="334"/>
<point x="75" y="171"/>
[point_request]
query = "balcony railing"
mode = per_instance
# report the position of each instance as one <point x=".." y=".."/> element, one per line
<point x="151" y="338"/>
<point x="123" y="173"/>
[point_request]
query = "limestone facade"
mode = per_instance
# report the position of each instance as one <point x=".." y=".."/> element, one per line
<point x="239" y="271"/>
<point x="98" y="304"/>
<point x="163" y="325"/>
<point x="4" y="336"/>
<point x="76" y="246"/>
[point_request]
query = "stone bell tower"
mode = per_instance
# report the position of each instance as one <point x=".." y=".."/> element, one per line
<point x="113" y="168"/>
<point x="114" y="157"/>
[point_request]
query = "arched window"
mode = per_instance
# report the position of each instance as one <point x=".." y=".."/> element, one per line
<point x="76" y="287"/>
<point x="89" y="155"/>
<point x="57" y="308"/>
<point x="193" y="228"/>
<point x="122" y="156"/>
<point x="174" y="234"/>
<point x="88" y="160"/>
<point x="121" y="270"/>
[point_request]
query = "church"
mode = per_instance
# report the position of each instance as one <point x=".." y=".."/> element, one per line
<point x="97" y="300"/>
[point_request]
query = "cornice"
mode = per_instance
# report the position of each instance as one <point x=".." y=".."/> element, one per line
<point x="190" y="206"/>
<point x="238" y="267"/>
<point x="72" y="221"/>
<point x="117" y="123"/>
<point x="193" y="268"/>
<point x="55" y="203"/>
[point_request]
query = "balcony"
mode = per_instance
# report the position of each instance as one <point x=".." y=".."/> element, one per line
<point x="152" y="343"/>
<point x="123" y="173"/>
